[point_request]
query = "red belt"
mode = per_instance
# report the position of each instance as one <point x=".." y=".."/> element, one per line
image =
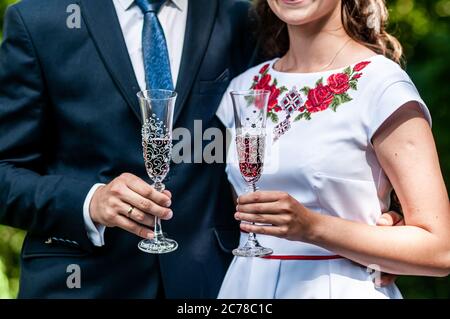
<point x="301" y="257"/>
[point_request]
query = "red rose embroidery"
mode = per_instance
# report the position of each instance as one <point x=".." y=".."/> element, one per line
<point x="259" y="102"/>
<point x="360" y="66"/>
<point x="273" y="97"/>
<point x="339" y="83"/>
<point x="277" y="108"/>
<point x="319" y="99"/>
<point x="263" y="83"/>
<point x="264" y="69"/>
<point x="274" y="94"/>
<point x="333" y="94"/>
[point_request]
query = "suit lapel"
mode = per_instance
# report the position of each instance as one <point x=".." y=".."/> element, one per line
<point x="200" y="23"/>
<point x="103" y="25"/>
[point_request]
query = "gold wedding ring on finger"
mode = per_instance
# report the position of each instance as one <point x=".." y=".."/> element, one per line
<point x="130" y="210"/>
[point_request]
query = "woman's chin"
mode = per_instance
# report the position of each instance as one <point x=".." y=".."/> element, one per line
<point x="295" y="17"/>
<point x="294" y="12"/>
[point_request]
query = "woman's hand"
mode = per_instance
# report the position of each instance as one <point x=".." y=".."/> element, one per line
<point x="285" y="216"/>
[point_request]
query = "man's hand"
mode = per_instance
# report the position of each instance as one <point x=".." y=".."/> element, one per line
<point x="389" y="219"/>
<point x="111" y="204"/>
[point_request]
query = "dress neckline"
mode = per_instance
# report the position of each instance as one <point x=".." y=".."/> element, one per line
<point x="281" y="73"/>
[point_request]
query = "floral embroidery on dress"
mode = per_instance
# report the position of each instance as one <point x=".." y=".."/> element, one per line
<point x="263" y="81"/>
<point x="323" y="96"/>
<point x="332" y="94"/>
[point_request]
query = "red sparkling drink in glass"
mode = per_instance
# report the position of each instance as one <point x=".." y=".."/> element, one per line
<point x="250" y="150"/>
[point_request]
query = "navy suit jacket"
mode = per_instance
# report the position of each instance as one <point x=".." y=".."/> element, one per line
<point x="69" y="118"/>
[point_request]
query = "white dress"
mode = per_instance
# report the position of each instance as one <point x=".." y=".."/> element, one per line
<point x="326" y="162"/>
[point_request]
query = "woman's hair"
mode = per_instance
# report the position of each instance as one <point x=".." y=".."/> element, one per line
<point x="365" y="21"/>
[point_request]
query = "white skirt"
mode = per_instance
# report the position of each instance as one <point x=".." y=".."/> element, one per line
<point x="259" y="278"/>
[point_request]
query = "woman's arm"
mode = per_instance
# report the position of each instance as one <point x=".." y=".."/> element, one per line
<point x="406" y="150"/>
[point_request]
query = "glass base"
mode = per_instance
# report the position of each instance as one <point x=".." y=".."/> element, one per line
<point x="252" y="252"/>
<point x="252" y="249"/>
<point x="161" y="246"/>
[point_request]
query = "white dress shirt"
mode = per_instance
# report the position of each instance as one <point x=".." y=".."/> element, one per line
<point x="173" y="17"/>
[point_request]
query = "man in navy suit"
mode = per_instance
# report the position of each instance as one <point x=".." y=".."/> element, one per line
<point x="71" y="161"/>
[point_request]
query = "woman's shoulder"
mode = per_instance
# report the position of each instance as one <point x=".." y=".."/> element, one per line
<point x="383" y="71"/>
<point x="387" y="88"/>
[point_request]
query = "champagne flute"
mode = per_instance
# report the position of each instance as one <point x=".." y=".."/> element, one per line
<point x="250" y="115"/>
<point x="157" y="108"/>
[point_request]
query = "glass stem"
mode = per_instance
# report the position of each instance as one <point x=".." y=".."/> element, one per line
<point x="252" y="236"/>
<point x="158" y="234"/>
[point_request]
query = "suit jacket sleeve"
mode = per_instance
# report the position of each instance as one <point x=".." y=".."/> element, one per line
<point x="30" y="199"/>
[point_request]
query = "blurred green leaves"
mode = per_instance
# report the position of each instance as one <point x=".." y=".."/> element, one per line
<point x="10" y="239"/>
<point x="424" y="30"/>
<point x="10" y="246"/>
<point x="3" y="5"/>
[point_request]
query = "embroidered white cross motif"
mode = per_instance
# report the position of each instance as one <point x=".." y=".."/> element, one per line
<point x="291" y="102"/>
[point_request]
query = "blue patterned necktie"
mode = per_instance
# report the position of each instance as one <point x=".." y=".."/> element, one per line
<point x="154" y="47"/>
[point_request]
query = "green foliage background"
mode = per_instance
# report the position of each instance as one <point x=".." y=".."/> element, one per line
<point x="423" y="28"/>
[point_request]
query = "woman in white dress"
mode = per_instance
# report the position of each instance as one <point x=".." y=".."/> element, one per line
<point x="357" y="129"/>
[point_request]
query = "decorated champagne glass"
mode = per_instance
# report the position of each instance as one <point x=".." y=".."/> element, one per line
<point x="157" y="109"/>
<point x="250" y="115"/>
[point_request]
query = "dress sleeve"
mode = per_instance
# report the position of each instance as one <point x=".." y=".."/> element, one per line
<point x="393" y="94"/>
<point x="225" y="111"/>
